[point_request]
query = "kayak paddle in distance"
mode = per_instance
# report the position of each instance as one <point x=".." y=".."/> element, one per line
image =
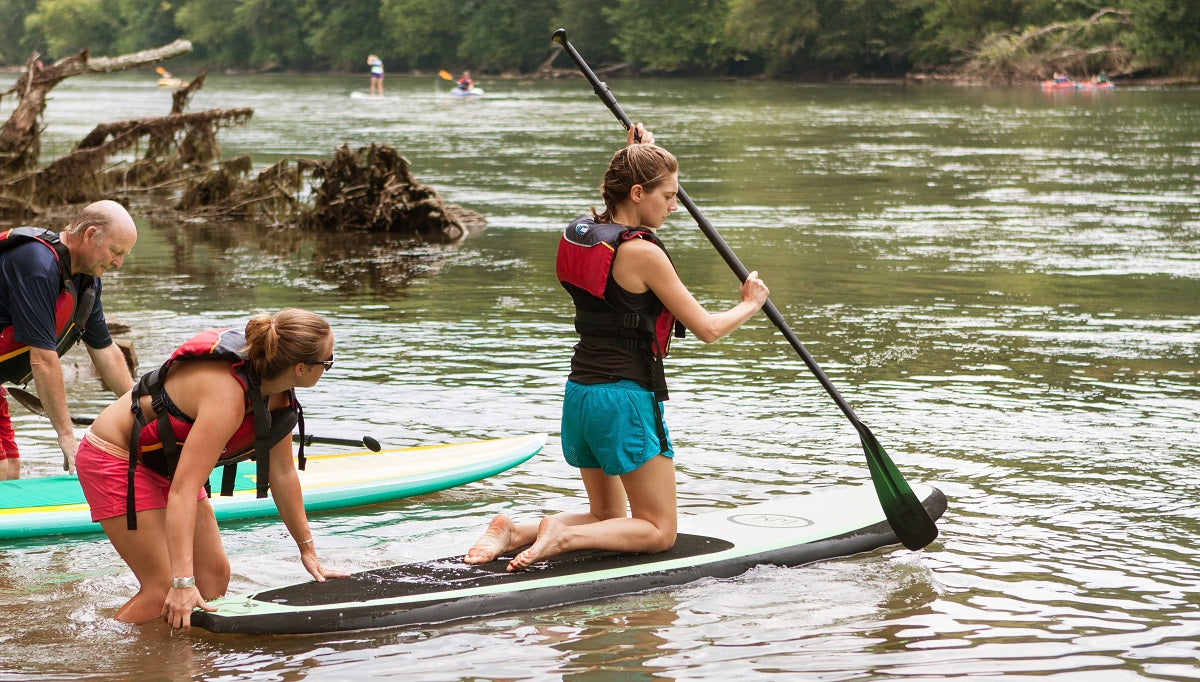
<point x="904" y="512"/>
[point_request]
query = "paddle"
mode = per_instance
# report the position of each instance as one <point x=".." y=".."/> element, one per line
<point x="32" y="403"/>
<point x="903" y="510"/>
<point x="445" y="75"/>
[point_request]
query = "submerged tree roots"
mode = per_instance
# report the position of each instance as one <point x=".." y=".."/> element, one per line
<point x="370" y="189"/>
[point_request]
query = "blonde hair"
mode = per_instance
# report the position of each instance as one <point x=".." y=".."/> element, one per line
<point x="276" y="342"/>
<point x="647" y="165"/>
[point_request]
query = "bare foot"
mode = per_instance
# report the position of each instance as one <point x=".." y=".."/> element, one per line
<point x="492" y="543"/>
<point x="548" y="543"/>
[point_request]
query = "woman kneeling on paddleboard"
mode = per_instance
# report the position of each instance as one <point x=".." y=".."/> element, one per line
<point x="223" y="396"/>
<point x="628" y="301"/>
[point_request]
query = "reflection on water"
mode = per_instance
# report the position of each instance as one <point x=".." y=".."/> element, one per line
<point x="1005" y="285"/>
<point x="222" y="254"/>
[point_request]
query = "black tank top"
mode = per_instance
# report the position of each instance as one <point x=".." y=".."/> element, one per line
<point x="605" y="365"/>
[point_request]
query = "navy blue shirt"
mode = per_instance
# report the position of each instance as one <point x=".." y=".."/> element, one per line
<point x="29" y="287"/>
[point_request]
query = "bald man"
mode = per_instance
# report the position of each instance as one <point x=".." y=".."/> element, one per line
<point x="49" y="300"/>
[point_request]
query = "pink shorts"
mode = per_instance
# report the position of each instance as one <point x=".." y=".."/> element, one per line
<point x="105" y="481"/>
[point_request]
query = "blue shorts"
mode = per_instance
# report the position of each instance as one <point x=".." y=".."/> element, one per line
<point x="611" y="427"/>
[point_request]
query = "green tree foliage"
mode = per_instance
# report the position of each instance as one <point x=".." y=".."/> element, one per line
<point x="145" y="23"/>
<point x="871" y="35"/>
<point x="779" y="38"/>
<point x="672" y="35"/>
<point x="423" y="33"/>
<point x="508" y="35"/>
<point x="823" y="36"/>
<point x="346" y="33"/>
<point x="16" y="44"/>
<point x="1167" y="33"/>
<point x="217" y="40"/>
<point x="777" y="33"/>
<point x="950" y="29"/>
<point x="277" y="30"/>
<point x="589" y="30"/>
<point x="69" y="26"/>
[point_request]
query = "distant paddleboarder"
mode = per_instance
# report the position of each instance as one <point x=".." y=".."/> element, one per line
<point x="376" y="66"/>
<point x="629" y="302"/>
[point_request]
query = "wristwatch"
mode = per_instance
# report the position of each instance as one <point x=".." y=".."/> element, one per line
<point x="183" y="583"/>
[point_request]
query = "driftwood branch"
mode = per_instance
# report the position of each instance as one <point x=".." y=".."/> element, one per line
<point x="136" y="59"/>
<point x="80" y="174"/>
<point x="20" y="142"/>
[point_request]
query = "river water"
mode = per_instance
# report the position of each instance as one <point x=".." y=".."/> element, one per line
<point x="1005" y="284"/>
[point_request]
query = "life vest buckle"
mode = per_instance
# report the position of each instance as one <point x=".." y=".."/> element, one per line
<point x="158" y="403"/>
<point x="631" y="320"/>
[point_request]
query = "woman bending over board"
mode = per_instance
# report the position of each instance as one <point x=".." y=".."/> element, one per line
<point x="629" y="301"/>
<point x="221" y="397"/>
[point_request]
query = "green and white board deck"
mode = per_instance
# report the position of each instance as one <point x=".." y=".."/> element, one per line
<point x="790" y="530"/>
<point x="54" y="505"/>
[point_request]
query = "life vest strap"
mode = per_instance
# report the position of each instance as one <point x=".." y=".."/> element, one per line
<point x="621" y="320"/>
<point x="626" y="343"/>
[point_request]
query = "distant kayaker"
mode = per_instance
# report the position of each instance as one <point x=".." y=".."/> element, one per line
<point x="376" y="65"/>
<point x="465" y="83"/>
<point x="222" y="396"/>
<point x="629" y="301"/>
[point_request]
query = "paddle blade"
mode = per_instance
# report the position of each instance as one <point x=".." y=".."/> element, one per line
<point x="445" y="75"/>
<point x="905" y="513"/>
<point x="162" y="72"/>
<point x="28" y="400"/>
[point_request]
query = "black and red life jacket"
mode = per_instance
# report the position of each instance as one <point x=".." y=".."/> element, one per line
<point x="157" y="443"/>
<point x="584" y="265"/>
<point x="71" y="309"/>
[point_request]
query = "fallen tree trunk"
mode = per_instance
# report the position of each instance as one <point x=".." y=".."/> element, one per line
<point x="81" y="176"/>
<point x="20" y="136"/>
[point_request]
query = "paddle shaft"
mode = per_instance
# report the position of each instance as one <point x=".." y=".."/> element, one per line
<point x="34" y="404"/>
<point x="907" y="516"/>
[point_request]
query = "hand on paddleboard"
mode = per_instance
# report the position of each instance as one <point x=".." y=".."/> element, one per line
<point x="313" y="565"/>
<point x="177" y="609"/>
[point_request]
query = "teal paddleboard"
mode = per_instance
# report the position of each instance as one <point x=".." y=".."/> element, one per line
<point x="54" y="505"/>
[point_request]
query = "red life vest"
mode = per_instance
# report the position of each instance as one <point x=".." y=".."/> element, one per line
<point x="584" y="265"/>
<point x="71" y="309"/>
<point x="157" y="443"/>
